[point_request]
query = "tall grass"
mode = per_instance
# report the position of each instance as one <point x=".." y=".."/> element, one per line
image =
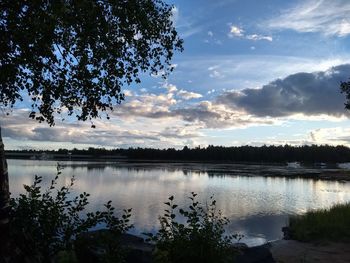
<point x="327" y="224"/>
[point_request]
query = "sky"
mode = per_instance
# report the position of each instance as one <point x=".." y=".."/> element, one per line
<point x="252" y="73"/>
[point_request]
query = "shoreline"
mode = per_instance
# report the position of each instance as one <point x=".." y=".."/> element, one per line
<point x="141" y="251"/>
<point x="287" y="251"/>
<point x="247" y="169"/>
<point x="290" y="251"/>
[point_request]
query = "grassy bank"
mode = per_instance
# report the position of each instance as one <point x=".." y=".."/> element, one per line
<point x="327" y="224"/>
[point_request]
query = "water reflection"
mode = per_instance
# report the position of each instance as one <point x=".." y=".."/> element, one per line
<point x="257" y="206"/>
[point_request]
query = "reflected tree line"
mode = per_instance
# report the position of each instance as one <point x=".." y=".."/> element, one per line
<point x="285" y="153"/>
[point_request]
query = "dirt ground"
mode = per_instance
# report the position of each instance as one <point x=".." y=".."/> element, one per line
<point x="290" y="251"/>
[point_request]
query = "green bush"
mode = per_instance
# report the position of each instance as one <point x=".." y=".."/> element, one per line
<point x="325" y="224"/>
<point x="43" y="223"/>
<point x="200" y="239"/>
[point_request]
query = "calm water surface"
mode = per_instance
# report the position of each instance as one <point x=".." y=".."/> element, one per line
<point x="258" y="207"/>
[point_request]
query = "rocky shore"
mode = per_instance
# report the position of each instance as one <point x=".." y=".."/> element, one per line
<point x="286" y="251"/>
<point x="138" y="251"/>
<point x="291" y="251"/>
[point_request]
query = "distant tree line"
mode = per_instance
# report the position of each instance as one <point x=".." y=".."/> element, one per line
<point x="286" y="153"/>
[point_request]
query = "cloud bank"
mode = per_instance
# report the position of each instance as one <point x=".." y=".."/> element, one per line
<point x="176" y="116"/>
<point x="302" y="93"/>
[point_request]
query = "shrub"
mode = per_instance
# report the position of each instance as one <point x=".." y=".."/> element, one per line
<point x="43" y="223"/>
<point x="200" y="239"/>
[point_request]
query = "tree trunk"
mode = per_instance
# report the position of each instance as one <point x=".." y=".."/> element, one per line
<point x="4" y="201"/>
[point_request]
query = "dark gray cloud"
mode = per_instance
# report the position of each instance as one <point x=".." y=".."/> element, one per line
<point x="178" y="133"/>
<point x="213" y="116"/>
<point x="308" y="93"/>
<point x="199" y="112"/>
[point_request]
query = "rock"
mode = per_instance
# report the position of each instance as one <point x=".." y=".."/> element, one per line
<point x="65" y="256"/>
<point x="137" y="250"/>
<point x="134" y="242"/>
<point x="290" y="251"/>
<point x="138" y="256"/>
<point x="239" y="246"/>
<point x="286" y="233"/>
<point x="259" y="254"/>
<point x="92" y="247"/>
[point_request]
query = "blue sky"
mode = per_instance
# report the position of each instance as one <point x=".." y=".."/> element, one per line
<point x="252" y="72"/>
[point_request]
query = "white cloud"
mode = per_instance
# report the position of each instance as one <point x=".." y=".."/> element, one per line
<point x="331" y="136"/>
<point x="235" y="31"/>
<point x="190" y="31"/>
<point x="212" y="39"/>
<point x="330" y="18"/>
<point x="276" y="141"/>
<point x="143" y="90"/>
<point x="135" y="131"/>
<point x="215" y="74"/>
<point x="127" y="93"/>
<point x="187" y="95"/>
<point x="185" y="26"/>
<point x="204" y="114"/>
<point x="175" y="15"/>
<point x="211" y="91"/>
<point x="213" y="67"/>
<point x="256" y="37"/>
<point x="211" y="115"/>
<point x="246" y="71"/>
<point x="160" y="120"/>
<point x="155" y="120"/>
<point x="170" y="87"/>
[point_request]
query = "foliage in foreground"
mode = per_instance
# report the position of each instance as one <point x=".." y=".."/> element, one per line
<point x="200" y="239"/>
<point x="47" y="224"/>
<point x="43" y="223"/>
<point x="326" y="224"/>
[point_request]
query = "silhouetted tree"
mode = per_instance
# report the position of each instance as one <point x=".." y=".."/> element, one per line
<point x="75" y="56"/>
<point x="345" y="88"/>
<point x="78" y="54"/>
<point x="267" y="154"/>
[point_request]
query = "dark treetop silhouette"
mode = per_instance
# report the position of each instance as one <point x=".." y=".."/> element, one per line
<point x="76" y="55"/>
<point x="307" y="154"/>
<point x="268" y="154"/>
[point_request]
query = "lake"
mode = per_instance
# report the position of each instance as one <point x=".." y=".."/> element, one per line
<point x="257" y="206"/>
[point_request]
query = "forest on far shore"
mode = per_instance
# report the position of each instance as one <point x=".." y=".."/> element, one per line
<point x="285" y="153"/>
